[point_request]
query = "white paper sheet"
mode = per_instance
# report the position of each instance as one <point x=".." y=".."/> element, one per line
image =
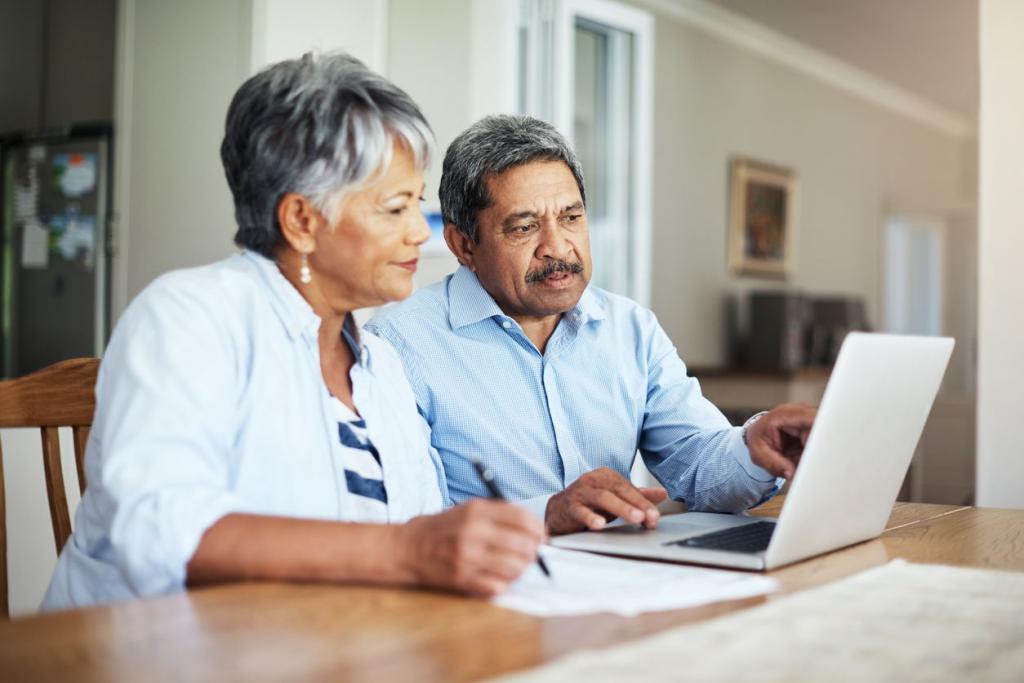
<point x="583" y="583"/>
<point x="35" y="245"/>
<point x="900" y="622"/>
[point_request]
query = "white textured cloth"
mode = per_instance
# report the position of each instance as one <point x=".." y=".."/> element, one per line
<point x="210" y="400"/>
<point x="899" y="622"/>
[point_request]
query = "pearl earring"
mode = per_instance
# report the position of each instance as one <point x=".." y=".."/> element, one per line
<point x="305" y="277"/>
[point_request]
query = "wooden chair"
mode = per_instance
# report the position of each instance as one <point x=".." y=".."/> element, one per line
<point x="61" y="395"/>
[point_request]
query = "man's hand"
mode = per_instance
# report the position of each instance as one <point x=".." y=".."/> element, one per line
<point x="776" y="440"/>
<point x="479" y="547"/>
<point x="597" y="497"/>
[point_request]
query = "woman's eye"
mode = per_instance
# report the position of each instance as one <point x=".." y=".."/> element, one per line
<point x="398" y="210"/>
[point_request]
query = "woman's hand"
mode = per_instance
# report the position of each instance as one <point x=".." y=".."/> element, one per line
<point x="478" y="547"/>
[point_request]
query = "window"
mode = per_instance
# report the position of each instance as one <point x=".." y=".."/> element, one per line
<point x="915" y="247"/>
<point x="586" y="68"/>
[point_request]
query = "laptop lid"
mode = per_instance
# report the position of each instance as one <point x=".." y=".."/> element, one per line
<point x="871" y="417"/>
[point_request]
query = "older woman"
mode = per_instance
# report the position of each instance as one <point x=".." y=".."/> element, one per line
<point x="245" y="428"/>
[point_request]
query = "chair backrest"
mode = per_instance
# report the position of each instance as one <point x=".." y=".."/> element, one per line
<point x="61" y="395"/>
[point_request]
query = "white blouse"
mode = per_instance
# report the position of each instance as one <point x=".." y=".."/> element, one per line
<point x="209" y="401"/>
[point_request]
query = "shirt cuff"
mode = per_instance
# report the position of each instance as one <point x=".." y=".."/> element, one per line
<point x="741" y="453"/>
<point x="538" y="505"/>
<point x="156" y="536"/>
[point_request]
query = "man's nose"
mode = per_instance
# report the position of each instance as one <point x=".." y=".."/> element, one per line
<point x="553" y="242"/>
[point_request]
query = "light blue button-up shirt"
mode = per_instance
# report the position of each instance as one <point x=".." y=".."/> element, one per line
<point x="210" y="400"/>
<point x="609" y="383"/>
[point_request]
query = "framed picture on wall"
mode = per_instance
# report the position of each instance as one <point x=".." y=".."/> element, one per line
<point x="762" y="219"/>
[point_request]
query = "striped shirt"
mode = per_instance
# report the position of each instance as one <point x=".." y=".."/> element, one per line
<point x="363" y="472"/>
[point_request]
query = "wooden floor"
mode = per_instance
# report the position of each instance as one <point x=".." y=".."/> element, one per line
<point x="309" y="632"/>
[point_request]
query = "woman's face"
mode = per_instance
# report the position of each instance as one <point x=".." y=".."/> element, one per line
<point x="369" y="253"/>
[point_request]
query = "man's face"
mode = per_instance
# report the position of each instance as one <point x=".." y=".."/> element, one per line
<point x="534" y="252"/>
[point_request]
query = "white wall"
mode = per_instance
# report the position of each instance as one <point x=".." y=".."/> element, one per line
<point x="854" y="160"/>
<point x="1000" y="472"/>
<point x="31" y="554"/>
<point x="429" y="57"/>
<point x="286" y="29"/>
<point x="184" y="60"/>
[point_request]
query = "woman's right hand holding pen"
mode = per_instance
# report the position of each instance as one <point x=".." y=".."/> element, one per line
<point x="479" y="547"/>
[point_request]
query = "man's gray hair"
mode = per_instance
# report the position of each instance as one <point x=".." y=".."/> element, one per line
<point x="317" y="126"/>
<point x="489" y="147"/>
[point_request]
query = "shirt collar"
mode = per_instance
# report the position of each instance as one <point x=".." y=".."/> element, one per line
<point x="469" y="302"/>
<point x="590" y="306"/>
<point x="299" y="318"/>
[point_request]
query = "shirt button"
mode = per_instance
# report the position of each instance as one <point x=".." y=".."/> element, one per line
<point x="506" y="324"/>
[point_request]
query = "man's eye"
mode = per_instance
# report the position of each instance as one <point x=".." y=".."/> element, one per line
<point x="573" y="217"/>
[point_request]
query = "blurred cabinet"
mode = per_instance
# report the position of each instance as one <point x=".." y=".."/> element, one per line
<point x="741" y="392"/>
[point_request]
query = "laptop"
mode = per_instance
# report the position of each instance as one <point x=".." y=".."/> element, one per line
<point x="868" y="425"/>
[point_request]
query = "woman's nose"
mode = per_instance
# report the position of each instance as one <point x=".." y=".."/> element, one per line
<point x="419" y="231"/>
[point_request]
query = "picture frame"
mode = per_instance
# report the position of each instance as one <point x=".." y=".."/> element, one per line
<point x="762" y="219"/>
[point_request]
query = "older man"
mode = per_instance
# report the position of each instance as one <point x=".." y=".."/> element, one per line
<point x="553" y="384"/>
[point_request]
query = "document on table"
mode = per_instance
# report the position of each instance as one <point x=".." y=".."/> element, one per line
<point x="583" y="583"/>
<point x="898" y="622"/>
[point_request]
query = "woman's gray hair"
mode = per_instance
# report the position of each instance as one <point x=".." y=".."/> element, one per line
<point x="317" y="126"/>
<point x="489" y="147"/>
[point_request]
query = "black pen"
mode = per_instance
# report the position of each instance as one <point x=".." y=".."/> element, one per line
<point x="487" y="477"/>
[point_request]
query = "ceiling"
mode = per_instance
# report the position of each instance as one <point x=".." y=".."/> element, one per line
<point x="929" y="47"/>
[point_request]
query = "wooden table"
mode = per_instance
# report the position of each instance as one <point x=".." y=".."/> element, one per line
<point x="309" y="632"/>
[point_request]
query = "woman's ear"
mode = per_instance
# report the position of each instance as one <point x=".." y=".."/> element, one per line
<point x="299" y="221"/>
<point x="460" y="244"/>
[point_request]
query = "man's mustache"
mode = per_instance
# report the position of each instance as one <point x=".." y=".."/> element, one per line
<point x="551" y="268"/>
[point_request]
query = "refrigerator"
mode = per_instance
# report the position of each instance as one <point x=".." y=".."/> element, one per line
<point x="55" y="263"/>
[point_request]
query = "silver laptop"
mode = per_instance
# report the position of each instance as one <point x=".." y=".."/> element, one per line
<point x="868" y="425"/>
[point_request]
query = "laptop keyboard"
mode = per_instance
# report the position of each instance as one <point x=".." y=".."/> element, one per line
<point x="749" y="538"/>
